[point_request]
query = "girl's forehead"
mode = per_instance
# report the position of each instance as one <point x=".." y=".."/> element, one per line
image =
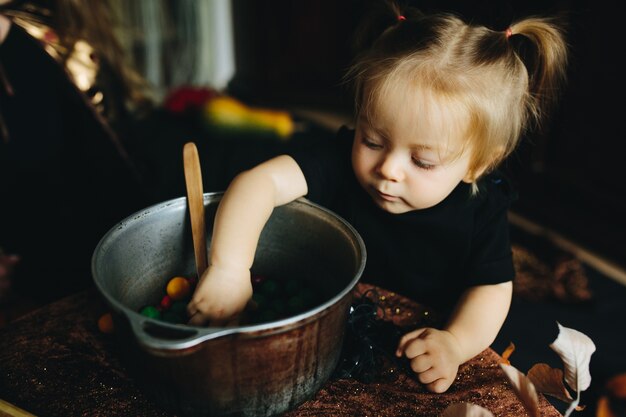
<point x="429" y="117"/>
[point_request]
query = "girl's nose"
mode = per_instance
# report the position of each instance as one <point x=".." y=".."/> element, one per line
<point x="390" y="168"/>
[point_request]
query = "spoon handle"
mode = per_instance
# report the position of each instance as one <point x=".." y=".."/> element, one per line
<point x="195" y="202"/>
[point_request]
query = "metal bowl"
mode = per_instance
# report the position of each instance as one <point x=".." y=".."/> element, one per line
<point x="255" y="370"/>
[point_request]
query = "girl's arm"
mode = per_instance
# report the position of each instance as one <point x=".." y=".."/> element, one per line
<point x="478" y="317"/>
<point x="435" y="355"/>
<point x="225" y="287"/>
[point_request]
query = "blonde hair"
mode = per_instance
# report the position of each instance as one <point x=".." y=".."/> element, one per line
<point x="480" y="76"/>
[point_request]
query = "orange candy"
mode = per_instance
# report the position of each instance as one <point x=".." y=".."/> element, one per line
<point x="105" y="323"/>
<point x="178" y="288"/>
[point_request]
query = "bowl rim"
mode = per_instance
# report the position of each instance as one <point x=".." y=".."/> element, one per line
<point x="195" y="334"/>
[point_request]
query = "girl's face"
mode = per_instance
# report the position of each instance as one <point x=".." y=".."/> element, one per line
<point x="407" y="161"/>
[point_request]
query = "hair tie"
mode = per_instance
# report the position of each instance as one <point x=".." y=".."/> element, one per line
<point x="508" y="33"/>
<point x="401" y="18"/>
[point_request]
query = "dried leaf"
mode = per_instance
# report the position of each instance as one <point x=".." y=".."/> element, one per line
<point x="507" y="353"/>
<point x="466" y="410"/>
<point x="575" y="349"/>
<point x="549" y="381"/>
<point x="523" y="388"/>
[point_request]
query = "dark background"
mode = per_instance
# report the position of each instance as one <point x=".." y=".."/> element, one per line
<point x="293" y="53"/>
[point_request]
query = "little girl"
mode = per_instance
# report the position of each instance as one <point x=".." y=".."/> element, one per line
<point x="440" y="103"/>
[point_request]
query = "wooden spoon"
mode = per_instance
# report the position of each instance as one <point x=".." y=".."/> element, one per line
<point x="195" y="202"/>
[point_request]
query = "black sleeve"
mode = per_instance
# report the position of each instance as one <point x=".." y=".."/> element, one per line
<point x="492" y="260"/>
<point x="324" y="166"/>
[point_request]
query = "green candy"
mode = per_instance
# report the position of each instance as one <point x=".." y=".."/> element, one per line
<point x="270" y="288"/>
<point x="179" y="307"/>
<point x="295" y="304"/>
<point x="309" y="297"/>
<point x="267" y="315"/>
<point x="280" y="306"/>
<point x="151" y="311"/>
<point x="172" y="317"/>
<point x="292" y="287"/>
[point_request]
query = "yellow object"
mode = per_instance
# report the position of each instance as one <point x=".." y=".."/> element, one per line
<point x="178" y="288"/>
<point x="227" y="112"/>
<point x="8" y="409"/>
<point x="105" y="323"/>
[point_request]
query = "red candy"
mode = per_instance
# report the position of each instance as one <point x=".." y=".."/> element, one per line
<point x="166" y="302"/>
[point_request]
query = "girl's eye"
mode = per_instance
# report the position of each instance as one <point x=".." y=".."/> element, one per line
<point x="371" y="144"/>
<point x="422" y="165"/>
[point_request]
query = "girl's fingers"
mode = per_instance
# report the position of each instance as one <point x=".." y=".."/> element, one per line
<point x="197" y="319"/>
<point x="414" y="348"/>
<point x="439" y="386"/>
<point x="421" y="364"/>
<point x="191" y="311"/>
<point x="219" y="322"/>
<point x="428" y="377"/>
<point x="404" y="341"/>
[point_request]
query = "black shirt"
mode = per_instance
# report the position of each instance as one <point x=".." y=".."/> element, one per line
<point x="430" y="255"/>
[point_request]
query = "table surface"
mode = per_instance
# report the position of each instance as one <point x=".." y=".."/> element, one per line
<point x="55" y="362"/>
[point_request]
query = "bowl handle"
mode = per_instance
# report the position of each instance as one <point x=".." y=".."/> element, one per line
<point x="159" y="337"/>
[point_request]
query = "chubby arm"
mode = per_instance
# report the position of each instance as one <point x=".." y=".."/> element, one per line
<point x="436" y="355"/>
<point x="225" y="287"/>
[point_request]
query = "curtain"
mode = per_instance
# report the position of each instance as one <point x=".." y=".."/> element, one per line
<point x="178" y="42"/>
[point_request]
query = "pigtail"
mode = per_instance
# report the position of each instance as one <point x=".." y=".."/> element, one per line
<point x="383" y="19"/>
<point x="543" y="50"/>
<point x="380" y="17"/>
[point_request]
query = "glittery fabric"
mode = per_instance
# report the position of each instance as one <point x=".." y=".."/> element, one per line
<point x="561" y="277"/>
<point x="55" y="362"/>
<point x="398" y="393"/>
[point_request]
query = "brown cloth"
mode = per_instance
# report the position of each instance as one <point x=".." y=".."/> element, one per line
<point x="560" y="278"/>
<point x="55" y="362"/>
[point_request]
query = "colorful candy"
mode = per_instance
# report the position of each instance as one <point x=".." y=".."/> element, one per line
<point x="151" y="311"/>
<point x="178" y="288"/>
<point x="271" y="300"/>
<point x="105" y="323"/>
<point x="274" y="299"/>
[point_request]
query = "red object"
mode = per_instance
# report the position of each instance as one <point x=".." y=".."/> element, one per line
<point x="185" y="99"/>
<point x="400" y="18"/>
<point x="166" y="302"/>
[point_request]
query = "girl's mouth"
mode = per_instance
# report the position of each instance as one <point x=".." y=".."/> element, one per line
<point x="386" y="197"/>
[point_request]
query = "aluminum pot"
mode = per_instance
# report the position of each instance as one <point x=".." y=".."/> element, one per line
<point x="255" y="370"/>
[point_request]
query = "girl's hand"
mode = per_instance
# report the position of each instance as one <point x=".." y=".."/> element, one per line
<point x="222" y="294"/>
<point x="435" y="356"/>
